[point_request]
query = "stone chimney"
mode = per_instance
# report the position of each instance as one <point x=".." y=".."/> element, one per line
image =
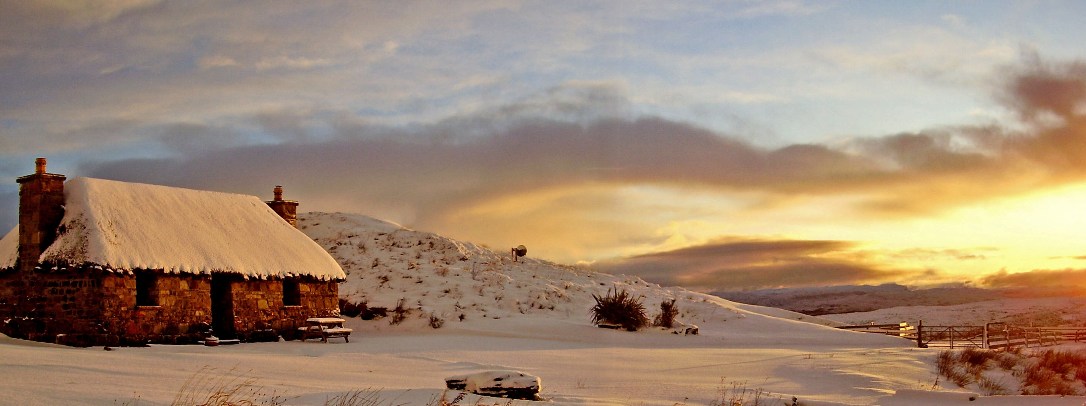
<point x="287" y="209"/>
<point x="41" y="207"/>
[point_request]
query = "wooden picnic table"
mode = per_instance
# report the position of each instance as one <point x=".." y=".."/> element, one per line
<point x="325" y="328"/>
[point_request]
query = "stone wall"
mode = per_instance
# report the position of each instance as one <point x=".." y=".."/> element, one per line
<point x="89" y="306"/>
<point x="12" y="287"/>
<point x="181" y="316"/>
<point x="50" y="302"/>
<point x="258" y="305"/>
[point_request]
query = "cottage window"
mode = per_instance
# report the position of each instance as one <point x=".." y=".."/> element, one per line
<point x="145" y="289"/>
<point x="291" y="294"/>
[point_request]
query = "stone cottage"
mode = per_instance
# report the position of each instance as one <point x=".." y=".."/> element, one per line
<point x="101" y="262"/>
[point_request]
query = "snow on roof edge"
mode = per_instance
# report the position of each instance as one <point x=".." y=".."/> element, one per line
<point x="9" y="249"/>
<point x="128" y="226"/>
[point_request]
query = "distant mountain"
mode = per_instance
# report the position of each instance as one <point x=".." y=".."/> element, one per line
<point x="1037" y="311"/>
<point x="859" y="298"/>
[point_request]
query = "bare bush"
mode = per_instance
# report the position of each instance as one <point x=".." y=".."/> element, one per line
<point x="668" y="311"/>
<point x="373" y="313"/>
<point x="351" y="309"/>
<point x="619" y="308"/>
<point x="399" y="313"/>
<point x="436" y="322"/>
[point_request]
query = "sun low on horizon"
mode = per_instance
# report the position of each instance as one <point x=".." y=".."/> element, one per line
<point x="1038" y="231"/>
<point x="719" y="146"/>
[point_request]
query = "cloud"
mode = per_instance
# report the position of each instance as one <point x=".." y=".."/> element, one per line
<point x="514" y="172"/>
<point x="1043" y="87"/>
<point x="926" y="254"/>
<point x="269" y="109"/>
<point x="73" y="65"/>
<point x="217" y="61"/>
<point x="80" y="13"/>
<point x="489" y="121"/>
<point x="737" y="264"/>
<point x="750" y="10"/>
<point x="1039" y="282"/>
<point x="286" y="62"/>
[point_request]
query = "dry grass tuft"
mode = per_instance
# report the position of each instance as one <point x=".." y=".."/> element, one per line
<point x="668" y="312"/>
<point x="205" y="388"/>
<point x="358" y="397"/>
<point x="1048" y="372"/>
<point x="208" y="388"/>
<point x="738" y="394"/>
<point x="621" y="308"/>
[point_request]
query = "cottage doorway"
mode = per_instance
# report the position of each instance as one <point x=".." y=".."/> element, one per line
<point x="222" y="306"/>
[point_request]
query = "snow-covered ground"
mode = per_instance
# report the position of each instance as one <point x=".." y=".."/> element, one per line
<point x="530" y="316"/>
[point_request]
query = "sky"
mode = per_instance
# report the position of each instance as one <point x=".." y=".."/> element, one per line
<point x="715" y="145"/>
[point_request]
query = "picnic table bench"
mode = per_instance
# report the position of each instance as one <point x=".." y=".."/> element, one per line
<point x="325" y="328"/>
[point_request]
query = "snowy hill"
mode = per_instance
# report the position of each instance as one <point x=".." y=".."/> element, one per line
<point x="455" y="280"/>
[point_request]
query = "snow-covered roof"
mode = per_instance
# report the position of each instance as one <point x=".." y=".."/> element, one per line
<point x="9" y="249"/>
<point x="127" y="226"/>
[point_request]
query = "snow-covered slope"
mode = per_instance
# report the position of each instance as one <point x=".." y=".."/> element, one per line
<point x="454" y="281"/>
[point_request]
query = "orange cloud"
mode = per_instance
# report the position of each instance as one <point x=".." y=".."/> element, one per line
<point x="739" y="264"/>
<point x="1042" y="282"/>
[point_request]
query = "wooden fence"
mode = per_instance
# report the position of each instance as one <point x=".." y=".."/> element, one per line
<point x="988" y="336"/>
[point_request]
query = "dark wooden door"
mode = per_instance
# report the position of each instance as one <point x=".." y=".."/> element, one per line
<point x="222" y="306"/>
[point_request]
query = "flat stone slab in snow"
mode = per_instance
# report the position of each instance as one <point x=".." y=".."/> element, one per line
<point x="510" y="384"/>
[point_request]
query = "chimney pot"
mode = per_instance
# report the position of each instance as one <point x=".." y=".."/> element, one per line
<point x="39" y="165"/>
<point x="287" y="209"/>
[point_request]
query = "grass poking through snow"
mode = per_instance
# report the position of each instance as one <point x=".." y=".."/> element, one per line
<point x="1048" y="372"/>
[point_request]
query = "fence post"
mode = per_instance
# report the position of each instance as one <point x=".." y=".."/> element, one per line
<point x="985" y="344"/>
<point x="920" y="334"/>
<point x="1007" y="336"/>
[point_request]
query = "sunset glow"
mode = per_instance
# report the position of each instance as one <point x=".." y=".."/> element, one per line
<point x="725" y="145"/>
